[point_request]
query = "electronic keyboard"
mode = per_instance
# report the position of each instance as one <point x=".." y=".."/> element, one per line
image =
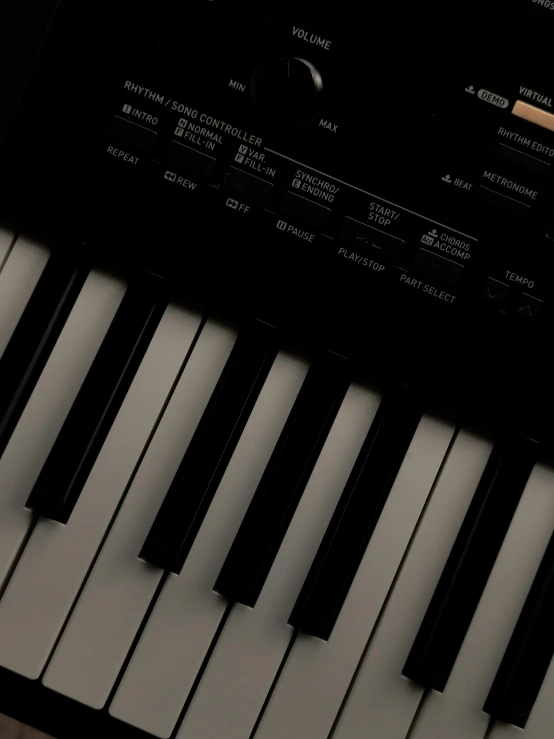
<point x="276" y="389"/>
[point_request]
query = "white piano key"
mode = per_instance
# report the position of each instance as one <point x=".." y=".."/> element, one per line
<point x="56" y="558"/>
<point x="49" y="405"/>
<point x="188" y="612"/>
<point x="316" y="675"/>
<point x="7" y="238"/>
<point x="457" y="712"/>
<point x="254" y="641"/>
<point x="380" y="697"/>
<point x="18" y="279"/>
<point x="540" y="722"/>
<point x="117" y="594"/>
<point x="539" y="725"/>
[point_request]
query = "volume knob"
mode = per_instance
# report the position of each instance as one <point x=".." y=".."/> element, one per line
<point x="288" y="91"/>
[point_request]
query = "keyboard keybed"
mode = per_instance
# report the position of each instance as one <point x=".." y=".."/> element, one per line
<point x="206" y="533"/>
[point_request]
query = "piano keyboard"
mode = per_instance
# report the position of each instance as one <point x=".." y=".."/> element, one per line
<point x="206" y="534"/>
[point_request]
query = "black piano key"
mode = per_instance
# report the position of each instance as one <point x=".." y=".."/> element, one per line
<point x="36" y="334"/>
<point x="356" y="515"/>
<point x="211" y="448"/>
<point x="276" y="498"/>
<point x="470" y="563"/>
<point x="84" y="431"/>
<point x="528" y="655"/>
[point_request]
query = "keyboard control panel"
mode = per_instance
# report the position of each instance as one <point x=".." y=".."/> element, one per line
<point x="330" y="175"/>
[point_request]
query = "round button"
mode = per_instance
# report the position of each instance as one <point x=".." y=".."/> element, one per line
<point x="288" y="91"/>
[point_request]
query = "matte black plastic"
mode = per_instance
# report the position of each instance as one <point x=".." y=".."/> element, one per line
<point x="36" y="334"/>
<point x="356" y="515"/>
<point x="71" y="458"/>
<point x="211" y="448"/>
<point x="283" y="482"/>
<point x="469" y="565"/>
<point x="529" y="653"/>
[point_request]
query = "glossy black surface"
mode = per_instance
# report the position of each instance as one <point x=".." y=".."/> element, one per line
<point x="129" y="132"/>
<point x="470" y="563"/>
<point x="194" y="162"/>
<point x="99" y="399"/>
<point x="276" y="498"/>
<point x="404" y="148"/>
<point x="26" y="24"/>
<point x="214" y="441"/>
<point x="288" y="90"/>
<point x="348" y="534"/>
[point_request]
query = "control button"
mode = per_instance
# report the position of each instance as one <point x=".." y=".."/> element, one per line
<point x="281" y="227"/>
<point x="521" y="159"/>
<point x="441" y="267"/>
<point x="174" y="178"/>
<point x="193" y="161"/>
<point x="528" y="307"/>
<point x="247" y="185"/>
<point x="311" y="213"/>
<point x="133" y="134"/>
<point x="362" y="235"/>
<point x="494" y="291"/>
<point x="124" y="156"/>
<point x="510" y="191"/>
<point x="534" y="115"/>
<point x="501" y="201"/>
<point x="237" y="207"/>
<point x="288" y="90"/>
